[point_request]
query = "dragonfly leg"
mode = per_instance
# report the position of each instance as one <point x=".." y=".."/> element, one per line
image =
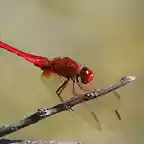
<point x="59" y="91"/>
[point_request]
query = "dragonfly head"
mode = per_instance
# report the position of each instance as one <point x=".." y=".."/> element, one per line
<point x="86" y="75"/>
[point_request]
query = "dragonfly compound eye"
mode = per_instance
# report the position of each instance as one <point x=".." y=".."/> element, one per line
<point x="86" y="75"/>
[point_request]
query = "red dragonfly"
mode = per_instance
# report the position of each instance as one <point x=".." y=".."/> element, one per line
<point x="64" y="67"/>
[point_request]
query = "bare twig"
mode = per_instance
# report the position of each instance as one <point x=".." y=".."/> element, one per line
<point x="8" y="141"/>
<point x="46" y="112"/>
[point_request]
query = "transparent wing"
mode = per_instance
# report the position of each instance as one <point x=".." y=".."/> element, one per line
<point x="108" y="103"/>
<point x="89" y="111"/>
<point x="85" y="111"/>
<point x="115" y="93"/>
<point x="113" y="99"/>
<point x="51" y="82"/>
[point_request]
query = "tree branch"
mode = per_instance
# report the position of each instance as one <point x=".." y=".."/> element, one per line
<point x="8" y="141"/>
<point x="46" y="112"/>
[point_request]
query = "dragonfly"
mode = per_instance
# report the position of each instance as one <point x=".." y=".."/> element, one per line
<point x="64" y="67"/>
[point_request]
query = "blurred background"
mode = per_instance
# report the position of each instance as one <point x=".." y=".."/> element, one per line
<point x="105" y="35"/>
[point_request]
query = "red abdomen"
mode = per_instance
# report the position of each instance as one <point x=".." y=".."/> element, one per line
<point x="36" y="60"/>
<point x="65" y="67"/>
